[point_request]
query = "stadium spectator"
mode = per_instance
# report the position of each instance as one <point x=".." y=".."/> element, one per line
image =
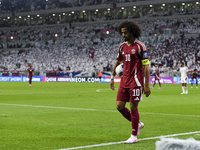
<point x="194" y="76"/>
<point x="184" y="77"/>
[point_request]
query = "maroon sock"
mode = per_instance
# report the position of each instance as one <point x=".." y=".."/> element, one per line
<point x="126" y="113"/>
<point x="29" y="81"/>
<point x="159" y="84"/>
<point x="134" y="121"/>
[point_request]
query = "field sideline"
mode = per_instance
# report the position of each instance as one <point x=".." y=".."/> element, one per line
<point x="52" y="116"/>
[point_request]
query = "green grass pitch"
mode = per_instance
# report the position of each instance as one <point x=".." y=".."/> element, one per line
<point x="52" y="116"/>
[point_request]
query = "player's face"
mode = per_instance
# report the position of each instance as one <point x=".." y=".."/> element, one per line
<point x="156" y="65"/>
<point x="125" y="34"/>
<point x="181" y="65"/>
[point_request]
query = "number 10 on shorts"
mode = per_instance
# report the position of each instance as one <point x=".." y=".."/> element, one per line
<point x="137" y="94"/>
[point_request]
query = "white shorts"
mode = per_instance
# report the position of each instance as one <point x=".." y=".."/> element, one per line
<point x="183" y="80"/>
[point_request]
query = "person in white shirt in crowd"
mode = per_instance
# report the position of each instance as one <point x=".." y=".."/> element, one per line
<point x="184" y="77"/>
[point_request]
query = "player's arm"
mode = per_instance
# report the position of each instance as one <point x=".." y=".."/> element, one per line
<point x="147" y="90"/>
<point x="26" y="73"/>
<point x="145" y="63"/>
<point x="113" y="75"/>
<point x="186" y="76"/>
<point x="154" y="73"/>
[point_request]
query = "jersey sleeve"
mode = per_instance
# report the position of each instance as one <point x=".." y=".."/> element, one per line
<point x="157" y="70"/>
<point x="119" y="55"/>
<point x="144" y="55"/>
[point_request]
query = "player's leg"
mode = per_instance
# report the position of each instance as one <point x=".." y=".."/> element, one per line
<point x="134" y="122"/>
<point x="123" y="110"/>
<point x="183" y="87"/>
<point x="192" y="83"/>
<point x="196" y="83"/>
<point x="135" y="97"/>
<point x="122" y="98"/>
<point x="29" y="80"/>
<point x="154" y="83"/>
<point x="134" y="117"/>
<point x="186" y="89"/>
<point x="159" y="83"/>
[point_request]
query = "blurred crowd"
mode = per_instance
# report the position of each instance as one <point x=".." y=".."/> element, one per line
<point x="87" y="48"/>
<point x="15" y="6"/>
<point x="162" y="13"/>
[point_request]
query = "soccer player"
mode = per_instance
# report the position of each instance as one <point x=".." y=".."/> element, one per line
<point x="156" y="72"/>
<point x="133" y="54"/>
<point x="184" y="75"/>
<point x="30" y="72"/>
<point x="194" y="76"/>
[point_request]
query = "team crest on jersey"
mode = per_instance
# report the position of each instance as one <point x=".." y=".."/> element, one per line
<point x="123" y="53"/>
<point x="133" y="51"/>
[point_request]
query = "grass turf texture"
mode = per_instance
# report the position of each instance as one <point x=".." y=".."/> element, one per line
<point x="26" y="126"/>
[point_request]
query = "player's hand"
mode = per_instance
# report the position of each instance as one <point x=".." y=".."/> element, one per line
<point x="112" y="84"/>
<point x="186" y="78"/>
<point x="147" y="90"/>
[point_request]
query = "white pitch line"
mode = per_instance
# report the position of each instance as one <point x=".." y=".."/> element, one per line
<point x="150" y="113"/>
<point x="144" y="139"/>
<point x="104" y="89"/>
<point x="99" y="90"/>
<point x="38" y="106"/>
<point x="41" y="93"/>
<point x="55" y="107"/>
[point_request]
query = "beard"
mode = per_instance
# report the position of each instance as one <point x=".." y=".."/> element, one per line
<point x="126" y="39"/>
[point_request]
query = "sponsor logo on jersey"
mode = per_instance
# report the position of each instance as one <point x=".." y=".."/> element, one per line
<point x="145" y="55"/>
<point x="133" y="51"/>
<point x="136" y="99"/>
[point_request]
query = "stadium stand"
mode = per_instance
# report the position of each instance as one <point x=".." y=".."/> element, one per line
<point x="86" y="48"/>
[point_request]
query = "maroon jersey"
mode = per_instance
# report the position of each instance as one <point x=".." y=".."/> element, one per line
<point x="194" y="75"/>
<point x="157" y="72"/>
<point x="133" y="73"/>
<point x="30" y="71"/>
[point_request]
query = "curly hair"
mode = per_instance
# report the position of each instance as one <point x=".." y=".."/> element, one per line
<point x="132" y="26"/>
